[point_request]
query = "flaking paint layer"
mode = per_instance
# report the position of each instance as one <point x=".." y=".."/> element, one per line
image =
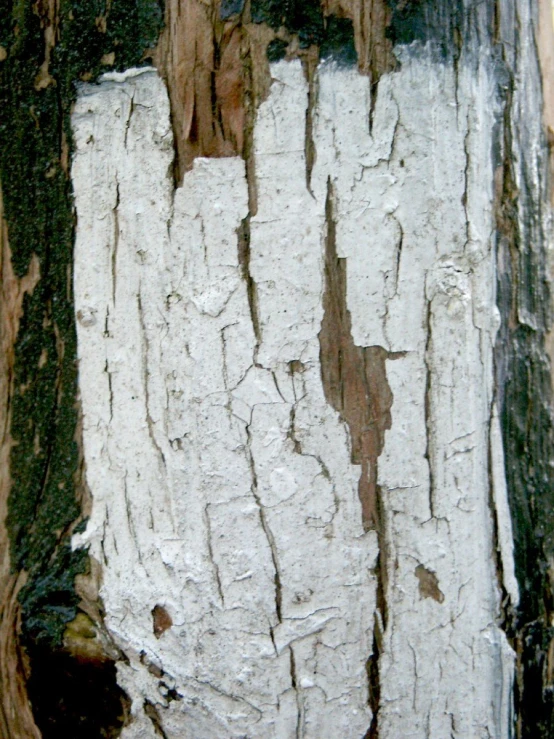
<point x="225" y="488"/>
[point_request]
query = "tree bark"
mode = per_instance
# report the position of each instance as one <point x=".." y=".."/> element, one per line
<point x="302" y="484"/>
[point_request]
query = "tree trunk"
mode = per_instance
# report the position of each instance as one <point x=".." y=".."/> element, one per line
<point x="302" y="483"/>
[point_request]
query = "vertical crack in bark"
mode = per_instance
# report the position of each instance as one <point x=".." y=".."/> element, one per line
<point x="373" y="92"/>
<point x="115" y="241"/>
<point x="127" y="126"/>
<point x="466" y="174"/>
<point x="215" y="566"/>
<point x="250" y="104"/>
<point x="145" y="379"/>
<point x="129" y="511"/>
<point x="296" y="445"/>
<point x="507" y="612"/>
<point x="299" y="732"/>
<point x="399" y="246"/>
<point x="429" y="447"/>
<point x="374" y="684"/>
<point x="110" y="388"/>
<point x="266" y="529"/>
<point x="379" y="625"/>
<point x="310" y="66"/>
<point x="243" y="235"/>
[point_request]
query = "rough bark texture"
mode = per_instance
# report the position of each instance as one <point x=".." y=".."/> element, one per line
<point x="214" y="57"/>
<point x="45" y="47"/>
<point x="15" y="712"/>
<point x="523" y="370"/>
<point x="300" y="435"/>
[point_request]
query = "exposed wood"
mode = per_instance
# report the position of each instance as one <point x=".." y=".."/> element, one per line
<point x="371" y="19"/>
<point x="16" y="716"/>
<point x="354" y="377"/>
<point x="207" y="102"/>
<point x="16" y="719"/>
<point x="49" y="13"/>
<point x="213" y="57"/>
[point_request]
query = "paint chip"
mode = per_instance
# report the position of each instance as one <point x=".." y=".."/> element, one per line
<point x="428" y="584"/>
<point x="161" y="620"/>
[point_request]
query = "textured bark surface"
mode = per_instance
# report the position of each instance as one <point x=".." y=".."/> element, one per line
<point x="231" y="465"/>
<point x="309" y="461"/>
<point x="15" y="712"/>
<point x="523" y="369"/>
<point x="207" y="477"/>
<point x="214" y="56"/>
<point x="44" y="48"/>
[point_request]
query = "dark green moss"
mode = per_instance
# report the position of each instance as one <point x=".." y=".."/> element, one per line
<point x="338" y="42"/>
<point x="35" y="138"/>
<point x="303" y="18"/>
<point x="276" y="50"/>
<point x="229" y="8"/>
<point x="425" y="20"/>
<point x="442" y="24"/>
<point x="49" y="602"/>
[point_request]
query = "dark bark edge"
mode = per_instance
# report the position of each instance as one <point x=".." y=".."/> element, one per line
<point x="45" y="465"/>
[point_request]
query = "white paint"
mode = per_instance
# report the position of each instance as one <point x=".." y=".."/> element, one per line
<point x="213" y="468"/>
<point x="421" y="280"/>
<point x="199" y="494"/>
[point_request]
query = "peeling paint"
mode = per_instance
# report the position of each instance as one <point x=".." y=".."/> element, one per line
<point x="354" y="378"/>
<point x="428" y="584"/>
<point x="255" y="458"/>
<point x="225" y="441"/>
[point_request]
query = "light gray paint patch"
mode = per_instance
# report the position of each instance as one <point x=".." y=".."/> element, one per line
<point x="222" y="483"/>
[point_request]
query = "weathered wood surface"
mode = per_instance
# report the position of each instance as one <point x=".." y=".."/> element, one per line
<point x="313" y="311"/>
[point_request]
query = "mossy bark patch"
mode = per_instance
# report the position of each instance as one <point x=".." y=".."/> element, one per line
<point x="303" y="18"/>
<point x="47" y="48"/>
<point x="437" y="22"/>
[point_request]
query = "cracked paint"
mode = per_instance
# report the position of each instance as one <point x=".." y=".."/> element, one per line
<point x="225" y="473"/>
